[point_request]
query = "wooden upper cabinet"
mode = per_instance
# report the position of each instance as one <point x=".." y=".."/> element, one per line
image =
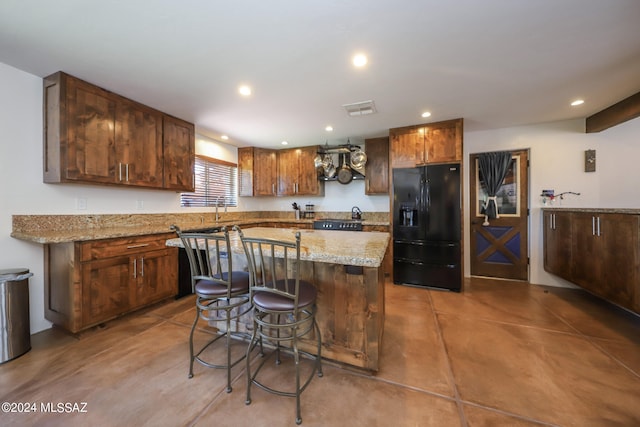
<point x="265" y="172"/>
<point x="179" y="154"/>
<point x="377" y="166"/>
<point x="308" y="182"/>
<point x="79" y="137"/>
<point x="257" y="171"/>
<point x="95" y="136"/>
<point x="287" y="172"/>
<point x="443" y="141"/>
<point x="245" y="171"/>
<point x="407" y="147"/>
<point x="418" y="145"/>
<point x="139" y="150"/>
<point x="297" y="174"/>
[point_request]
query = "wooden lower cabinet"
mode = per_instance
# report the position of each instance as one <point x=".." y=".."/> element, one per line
<point x="604" y="253"/>
<point x="557" y="243"/>
<point x="90" y="282"/>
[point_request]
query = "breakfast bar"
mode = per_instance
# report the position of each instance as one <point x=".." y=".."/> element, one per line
<point x="346" y="267"/>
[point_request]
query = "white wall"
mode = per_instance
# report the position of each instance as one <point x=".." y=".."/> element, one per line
<point x="557" y="162"/>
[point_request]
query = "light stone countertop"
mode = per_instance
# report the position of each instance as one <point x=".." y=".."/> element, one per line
<point x="629" y="211"/>
<point x="51" y="229"/>
<point x="357" y="248"/>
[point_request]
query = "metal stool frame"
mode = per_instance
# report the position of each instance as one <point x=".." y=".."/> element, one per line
<point x="213" y="284"/>
<point x="275" y="275"/>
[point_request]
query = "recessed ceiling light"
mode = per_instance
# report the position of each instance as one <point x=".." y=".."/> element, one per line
<point x="225" y="137"/>
<point x="284" y="143"/>
<point x="577" y="102"/>
<point x="329" y="128"/>
<point x="360" y="60"/>
<point x="426" y="114"/>
<point x="244" y="90"/>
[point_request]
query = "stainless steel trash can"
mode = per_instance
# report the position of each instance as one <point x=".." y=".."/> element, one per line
<point x="15" y="337"/>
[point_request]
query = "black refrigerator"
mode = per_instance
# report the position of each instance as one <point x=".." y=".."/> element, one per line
<point x="427" y="227"/>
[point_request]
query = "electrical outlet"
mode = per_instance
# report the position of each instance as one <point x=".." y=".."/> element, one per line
<point x="140" y="204"/>
<point x="81" y="203"/>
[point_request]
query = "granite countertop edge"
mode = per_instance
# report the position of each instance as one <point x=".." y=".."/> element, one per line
<point x="631" y="211"/>
<point x="87" y="234"/>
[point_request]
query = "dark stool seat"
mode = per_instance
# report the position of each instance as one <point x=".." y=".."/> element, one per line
<point x="218" y="289"/>
<point x="284" y="311"/>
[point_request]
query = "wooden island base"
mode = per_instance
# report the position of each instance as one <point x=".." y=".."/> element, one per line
<point x="350" y="313"/>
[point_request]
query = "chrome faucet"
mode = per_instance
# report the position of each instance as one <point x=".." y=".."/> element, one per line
<point x="224" y="202"/>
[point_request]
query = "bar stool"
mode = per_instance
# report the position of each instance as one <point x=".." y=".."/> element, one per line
<point x="284" y="309"/>
<point x="218" y="289"/>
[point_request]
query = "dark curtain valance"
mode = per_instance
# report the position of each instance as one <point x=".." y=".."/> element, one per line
<point x="493" y="168"/>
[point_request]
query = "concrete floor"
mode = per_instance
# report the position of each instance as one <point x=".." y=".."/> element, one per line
<point x="497" y="354"/>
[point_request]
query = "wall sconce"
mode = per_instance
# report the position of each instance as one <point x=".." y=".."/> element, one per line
<point x="590" y="160"/>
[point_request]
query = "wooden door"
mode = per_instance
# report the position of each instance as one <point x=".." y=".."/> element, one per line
<point x="376" y="179"/>
<point x="287" y="172"/>
<point x="308" y="182"/>
<point x="179" y="154"/>
<point x="605" y="255"/>
<point x="265" y="170"/>
<point x="557" y="243"/>
<point x="245" y="171"/>
<point x="501" y="249"/>
<point x="90" y="151"/>
<point x="620" y="275"/>
<point x="105" y="289"/>
<point x="443" y="141"/>
<point x="138" y="145"/>
<point x="156" y="276"/>
<point x="406" y="147"/>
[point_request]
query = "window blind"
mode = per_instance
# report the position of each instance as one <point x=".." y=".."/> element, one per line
<point x="216" y="181"/>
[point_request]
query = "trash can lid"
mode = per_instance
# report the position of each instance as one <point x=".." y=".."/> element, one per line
<point x="11" y="273"/>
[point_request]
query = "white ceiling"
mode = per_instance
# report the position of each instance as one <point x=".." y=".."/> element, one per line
<point x="496" y="63"/>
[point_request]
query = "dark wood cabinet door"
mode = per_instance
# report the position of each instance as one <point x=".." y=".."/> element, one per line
<point x="377" y="166"/>
<point x="287" y="172"/>
<point x="406" y="147"/>
<point x="606" y="256"/>
<point x="88" y="153"/>
<point x="155" y="277"/>
<point x="308" y="182"/>
<point x="105" y="289"/>
<point x="265" y="170"/>
<point x="443" y="141"/>
<point x="620" y="280"/>
<point x="587" y="249"/>
<point x="557" y="244"/>
<point x="138" y="145"/>
<point x="179" y="154"/>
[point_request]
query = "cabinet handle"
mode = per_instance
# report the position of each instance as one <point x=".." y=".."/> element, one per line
<point x="142" y="267"/>
<point x="119" y="171"/>
<point x="593" y="225"/>
<point x="273" y="188"/>
<point x="126" y="168"/>
<point x="135" y="268"/>
<point x="554" y="221"/>
<point x="598" y="226"/>
<point x="141" y="245"/>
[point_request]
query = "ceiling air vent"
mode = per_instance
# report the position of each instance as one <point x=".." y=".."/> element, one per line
<point x="360" y="108"/>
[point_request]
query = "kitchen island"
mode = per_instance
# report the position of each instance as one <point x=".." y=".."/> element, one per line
<point x="346" y="268"/>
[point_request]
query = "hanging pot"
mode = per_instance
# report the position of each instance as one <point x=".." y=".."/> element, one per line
<point x="345" y="175"/>
<point x="358" y="159"/>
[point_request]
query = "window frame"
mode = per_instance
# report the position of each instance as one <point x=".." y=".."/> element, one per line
<point x="210" y="195"/>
